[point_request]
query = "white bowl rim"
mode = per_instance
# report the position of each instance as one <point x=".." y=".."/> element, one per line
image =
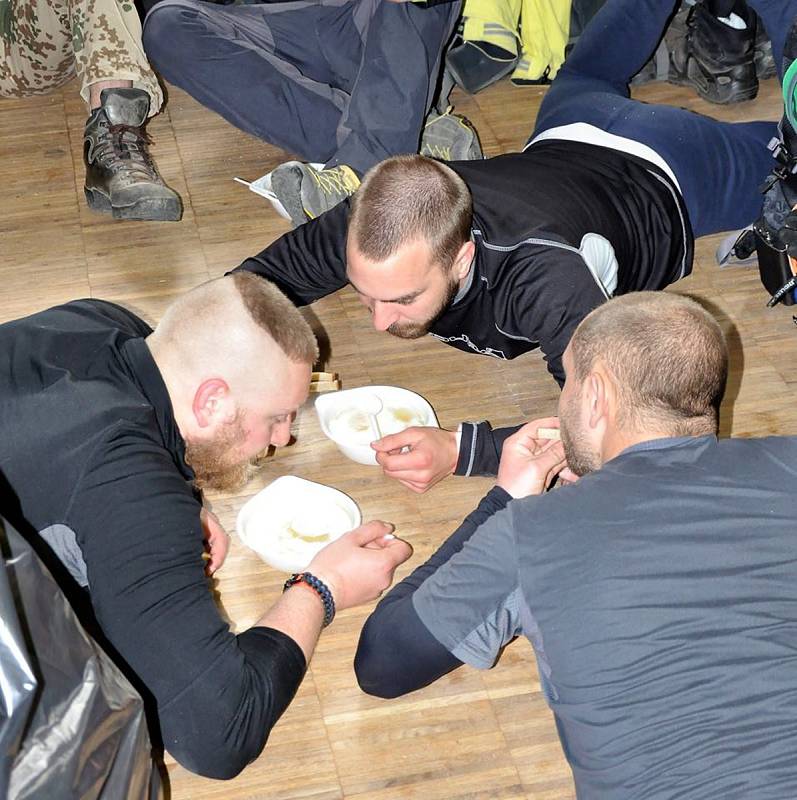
<point x="291" y="482"/>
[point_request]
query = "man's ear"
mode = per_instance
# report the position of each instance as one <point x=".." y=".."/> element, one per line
<point x="463" y="260"/>
<point x="211" y="402"/>
<point x="597" y="395"/>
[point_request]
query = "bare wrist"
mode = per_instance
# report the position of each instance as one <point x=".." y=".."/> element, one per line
<point x="318" y="587"/>
<point x="506" y="486"/>
<point x="518" y="489"/>
<point x="455" y="438"/>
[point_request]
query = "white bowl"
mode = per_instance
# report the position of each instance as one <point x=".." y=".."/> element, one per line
<point x="343" y="420"/>
<point x="290" y="520"/>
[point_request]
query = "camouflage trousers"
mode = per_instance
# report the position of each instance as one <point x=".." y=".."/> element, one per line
<point x="46" y="42"/>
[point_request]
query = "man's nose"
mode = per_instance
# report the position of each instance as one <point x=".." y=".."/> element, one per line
<point x="281" y="434"/>
<point x="383" y="316"/>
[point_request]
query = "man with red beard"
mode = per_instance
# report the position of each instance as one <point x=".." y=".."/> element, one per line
<point x="109" y="430"/>
<point x="657" y="590"/>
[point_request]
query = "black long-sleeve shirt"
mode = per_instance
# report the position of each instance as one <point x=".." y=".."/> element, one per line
<point x="557" y="229"/>
<point x="397" y="654"/>
<point x="93" y="455"/>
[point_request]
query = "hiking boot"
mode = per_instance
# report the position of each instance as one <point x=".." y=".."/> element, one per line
<point x="713" y="57"/>
<point x="476" y="65"/>
<point x="449" y="137"/>
<point x="121" y="178"/>
<point x="306" y="192"/>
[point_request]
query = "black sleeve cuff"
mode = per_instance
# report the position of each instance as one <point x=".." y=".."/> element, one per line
<point x="474" y="437"/>
<point x="480" y="448"/>
<point x="261" y="641"/>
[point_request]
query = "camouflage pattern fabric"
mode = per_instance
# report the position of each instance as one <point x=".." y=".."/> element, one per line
<point x="45" y="42"/>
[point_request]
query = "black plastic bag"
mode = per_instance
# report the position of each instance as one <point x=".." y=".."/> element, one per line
<point x="71" y="725"/>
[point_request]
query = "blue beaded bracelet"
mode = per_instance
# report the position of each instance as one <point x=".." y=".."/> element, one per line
<point x="320" y="587"/>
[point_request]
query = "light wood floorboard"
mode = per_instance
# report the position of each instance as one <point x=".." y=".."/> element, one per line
<point x="472" y="735"/>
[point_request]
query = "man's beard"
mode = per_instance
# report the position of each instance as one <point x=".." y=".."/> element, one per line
<point x="212" y="463"/>
<point x="579" y="455"/>
<point x="414" y="330"/>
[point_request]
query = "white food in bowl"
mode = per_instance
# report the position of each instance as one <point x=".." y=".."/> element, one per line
<point x="353" y="425"/>
<point x="345" y="417"/>
<point x="290" y="520"/>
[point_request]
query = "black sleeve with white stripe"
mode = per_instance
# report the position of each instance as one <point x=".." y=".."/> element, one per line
<point x="480" y="448"/>
<point x="308" y="262"/>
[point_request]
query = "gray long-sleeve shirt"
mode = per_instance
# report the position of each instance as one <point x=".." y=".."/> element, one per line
<point x="660" y="595"/>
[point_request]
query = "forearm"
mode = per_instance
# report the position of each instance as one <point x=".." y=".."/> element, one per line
<point x="309" y="262"/>
<point x="221" y="721"/>
<point x="299" y="614"/>
<point x="396" y="653"/>
<point x="217" y="694"/>
<point x="493" y="501"/>
<point x="275" y="652"/>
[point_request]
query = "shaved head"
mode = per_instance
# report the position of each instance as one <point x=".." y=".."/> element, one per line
<point x="233" y="327"/>
<point x="235" y="355"/>
<point x="642" y="366"/>
<point x="410" y="197"/>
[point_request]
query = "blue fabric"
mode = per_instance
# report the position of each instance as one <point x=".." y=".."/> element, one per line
<point x="720" y="166"/>
<point x="338" y="82"/>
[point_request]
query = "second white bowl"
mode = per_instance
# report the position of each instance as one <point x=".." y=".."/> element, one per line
<point x="345" y="420"/>
<point x="290" y="520"/>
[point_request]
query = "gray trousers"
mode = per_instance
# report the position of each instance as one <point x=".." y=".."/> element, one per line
<point x="335" y="81"/>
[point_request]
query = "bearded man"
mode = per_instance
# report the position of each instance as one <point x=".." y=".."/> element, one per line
<point x="109" y="430"/>
<point x="657" y="590"/>
<point x="503" y="256"/>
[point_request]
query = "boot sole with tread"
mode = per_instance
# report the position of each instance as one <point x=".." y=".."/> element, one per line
<point x="166" y="209"/>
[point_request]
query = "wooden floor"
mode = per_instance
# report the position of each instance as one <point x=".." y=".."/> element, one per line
<point x="473" y="734"/>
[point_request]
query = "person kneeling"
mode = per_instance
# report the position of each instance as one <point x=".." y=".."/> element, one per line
<point x="657" y="590"/>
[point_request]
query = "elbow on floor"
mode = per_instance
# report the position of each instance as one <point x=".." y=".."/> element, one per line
<point x="213" y="760"/>
<point x="377" y="679"/>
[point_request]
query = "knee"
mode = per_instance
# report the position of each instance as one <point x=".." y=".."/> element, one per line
<point x="166" y="34"/>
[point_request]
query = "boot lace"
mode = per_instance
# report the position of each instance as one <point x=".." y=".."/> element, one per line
<point x="335" y="182"/>
<point x="438" y="151"/>
<point x="124" y="147"/>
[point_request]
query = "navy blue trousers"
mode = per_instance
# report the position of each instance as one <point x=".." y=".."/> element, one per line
<point x="335" y="81"/>
<point x="720" y="166"/>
